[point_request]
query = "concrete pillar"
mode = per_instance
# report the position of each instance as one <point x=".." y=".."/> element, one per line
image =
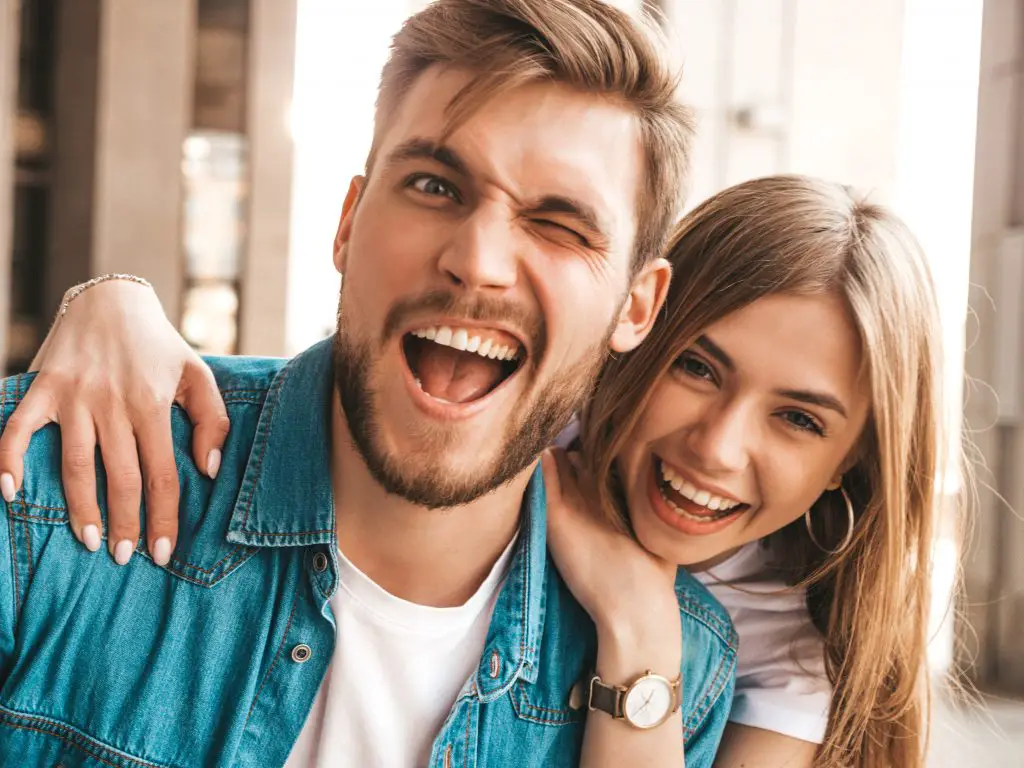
<point x="264" y="298"/>
<point x="9" y="18"/>
<point x="994" y="401"/>
<point x="123" y="106"/>
<point x="146" y="77"/>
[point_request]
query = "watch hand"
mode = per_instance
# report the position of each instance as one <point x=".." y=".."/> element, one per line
<point x="646" y="702"/>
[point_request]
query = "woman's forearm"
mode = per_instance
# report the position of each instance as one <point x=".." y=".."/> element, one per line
<point x="746" y="747"/>
<point x="624" y="654"/>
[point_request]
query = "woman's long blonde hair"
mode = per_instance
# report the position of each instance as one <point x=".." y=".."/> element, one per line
<point x="796" y="235"/>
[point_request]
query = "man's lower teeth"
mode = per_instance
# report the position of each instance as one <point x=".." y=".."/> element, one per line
<point x="438" y="399"/>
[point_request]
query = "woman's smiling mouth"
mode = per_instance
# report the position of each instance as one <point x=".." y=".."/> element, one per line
<point x="687" y="507"/>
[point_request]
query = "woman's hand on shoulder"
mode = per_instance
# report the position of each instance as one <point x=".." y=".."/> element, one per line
<point x="621" y="585"/>
<point x="109" y="372"/>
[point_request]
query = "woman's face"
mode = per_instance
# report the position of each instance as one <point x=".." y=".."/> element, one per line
<point x="747" y="429"/>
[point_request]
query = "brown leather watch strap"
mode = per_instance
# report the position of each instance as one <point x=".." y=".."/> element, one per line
<point x="607" y="698"/>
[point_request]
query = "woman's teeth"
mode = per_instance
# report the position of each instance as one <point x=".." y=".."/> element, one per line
<point x="464" y="339"/>
<point x="698" y="496"/>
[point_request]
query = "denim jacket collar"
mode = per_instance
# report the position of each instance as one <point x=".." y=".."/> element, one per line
<point x="285" y="502"/>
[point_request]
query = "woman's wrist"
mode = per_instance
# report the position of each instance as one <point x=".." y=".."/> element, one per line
<point x="75" y="291"/>
<point x="646" y="640"/>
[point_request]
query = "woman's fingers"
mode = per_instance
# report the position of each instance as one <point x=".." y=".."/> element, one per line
<point x="199" y="396"/>
<point x="35" y="411"/>
<point x="160" y="477"/>
<point x="124" y="485"/>
<point x="78" y="472"/>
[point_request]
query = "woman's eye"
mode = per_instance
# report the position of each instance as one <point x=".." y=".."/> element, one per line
<point x="802" y="421"/>
<point x="695" y="367"/>
<point x="434" y="187"/>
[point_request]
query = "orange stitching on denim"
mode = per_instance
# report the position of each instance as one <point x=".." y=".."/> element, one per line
<point x="566" y="717"/>
<point x="469" y="716"/>
<point x="41" y="518"/>
<point x="234" y="551"/>
<point x="713" y="691"/>
<point x="273" y="663"/>
<point x="69" y="737"/>
<point x="14" y="566"/>
<point x="28" y="544"/>
<point x="266" y="442"/>
<point x="30" y="505"/>
<point x="246" y="553"/>
<point x="292" y="533"/>
<point x="522" y="685"/>
<point x="228" y="571"/>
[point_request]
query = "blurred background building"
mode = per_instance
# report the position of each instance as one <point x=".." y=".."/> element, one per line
<point x="207" y="145"/>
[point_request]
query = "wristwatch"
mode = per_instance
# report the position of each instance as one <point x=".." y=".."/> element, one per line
<point x="645" y="703"/>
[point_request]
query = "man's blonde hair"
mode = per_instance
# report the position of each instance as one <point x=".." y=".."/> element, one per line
<point x="584" y="44"/>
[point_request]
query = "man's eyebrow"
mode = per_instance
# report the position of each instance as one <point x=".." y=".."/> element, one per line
<point x="424" y="149"/>
<point x="580" y="211"/>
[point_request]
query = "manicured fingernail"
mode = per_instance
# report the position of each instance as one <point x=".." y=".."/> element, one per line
<point x="91" y="538"/>
<point x="162" y="551"/>
<point x="213" y="463"/>
<point x="123" y="552"/>
<point x="7" y="486"/>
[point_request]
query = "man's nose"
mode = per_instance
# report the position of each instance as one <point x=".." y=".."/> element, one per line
<point x="484" y="253"/>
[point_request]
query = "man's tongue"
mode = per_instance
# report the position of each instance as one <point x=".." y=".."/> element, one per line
<point x="455" y="376"/>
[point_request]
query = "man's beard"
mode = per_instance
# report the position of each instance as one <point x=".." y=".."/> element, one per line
<point x="422" y="478"/>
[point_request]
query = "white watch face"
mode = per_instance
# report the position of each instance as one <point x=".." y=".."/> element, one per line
<point x="649" y="702"/>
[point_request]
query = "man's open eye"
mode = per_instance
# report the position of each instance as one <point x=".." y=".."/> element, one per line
<point x="434" y="186"/>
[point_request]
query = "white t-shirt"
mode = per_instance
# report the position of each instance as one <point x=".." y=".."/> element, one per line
<point x="781" y="683"/>
<point x="396" y="670"/>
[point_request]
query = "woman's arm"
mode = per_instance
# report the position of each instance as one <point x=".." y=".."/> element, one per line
<point x="630" y="595"/>
<point x="747" y="747"/>
<point x="109" y="371"/>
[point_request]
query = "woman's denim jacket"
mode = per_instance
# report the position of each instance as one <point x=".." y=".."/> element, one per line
<point x="196" y="664"/>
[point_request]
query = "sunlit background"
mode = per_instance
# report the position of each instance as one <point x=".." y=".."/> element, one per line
<point x="208" y="145"/>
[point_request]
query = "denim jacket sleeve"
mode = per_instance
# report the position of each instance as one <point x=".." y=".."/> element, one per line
<point x="710" y="658"/>
<point x="7" y="594"/>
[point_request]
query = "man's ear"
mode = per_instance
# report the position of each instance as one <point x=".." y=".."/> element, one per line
<point x="640" y="310"/>
<point x="348" y="212"/>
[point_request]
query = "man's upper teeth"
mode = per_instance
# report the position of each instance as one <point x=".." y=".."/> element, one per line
<point x="465" y="340"/>
<point x="694" y="494"/>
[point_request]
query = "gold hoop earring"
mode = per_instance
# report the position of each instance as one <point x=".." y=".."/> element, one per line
<point x="850" y="521"/>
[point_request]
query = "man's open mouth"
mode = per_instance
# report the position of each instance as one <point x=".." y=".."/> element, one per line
<point x="461" y="365"/>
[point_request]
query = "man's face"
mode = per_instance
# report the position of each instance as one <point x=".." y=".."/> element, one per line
<point x="484" y="281"/>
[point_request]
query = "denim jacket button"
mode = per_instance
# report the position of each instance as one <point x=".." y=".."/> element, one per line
<point x="301" y="653"/>
<point x="319" y="562"/>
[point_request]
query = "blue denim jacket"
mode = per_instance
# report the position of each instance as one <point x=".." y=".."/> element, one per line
<point x="192" y="665"/>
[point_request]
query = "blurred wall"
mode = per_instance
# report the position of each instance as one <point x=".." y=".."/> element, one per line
<point x="122" y="106"/>
<point x="994" y="402"/>
<point x="8" y="84"/>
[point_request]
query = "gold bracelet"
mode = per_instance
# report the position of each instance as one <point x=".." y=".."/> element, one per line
<point x="76" y="291"/>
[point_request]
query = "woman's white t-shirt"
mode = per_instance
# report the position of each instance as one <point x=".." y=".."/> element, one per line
<point x="781" y="683"/>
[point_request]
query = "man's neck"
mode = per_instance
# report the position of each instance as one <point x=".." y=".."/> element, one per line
<point x="430" y="557"/>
